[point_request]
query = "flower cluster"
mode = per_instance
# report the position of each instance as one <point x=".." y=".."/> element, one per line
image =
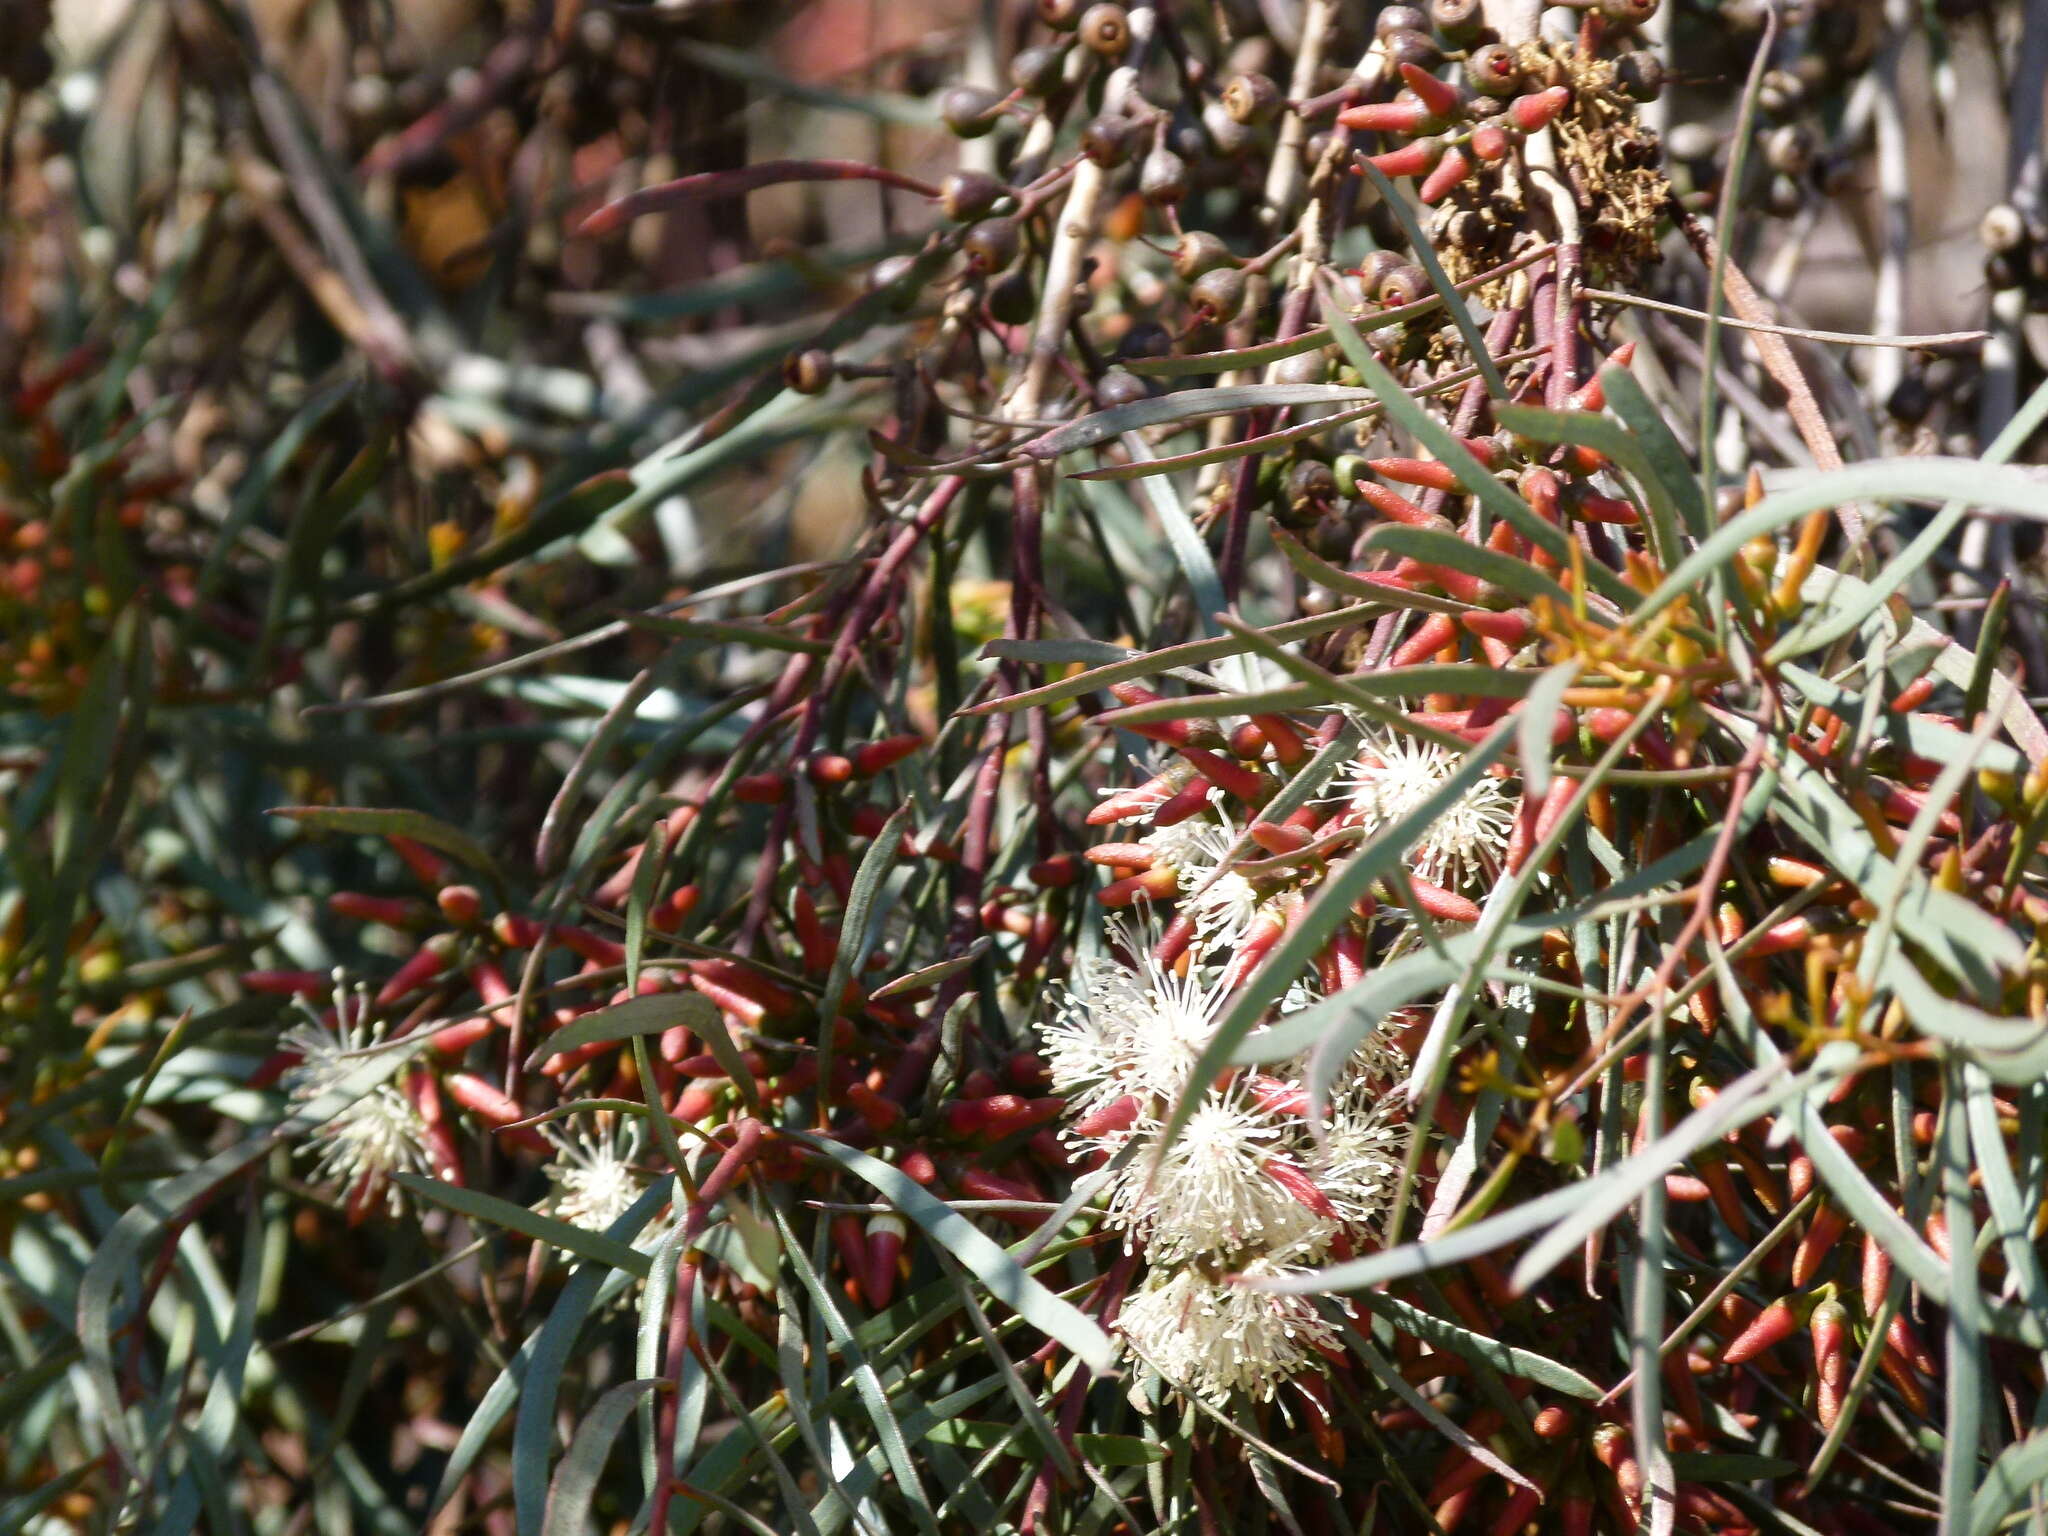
<point x="1259" y="1180"/>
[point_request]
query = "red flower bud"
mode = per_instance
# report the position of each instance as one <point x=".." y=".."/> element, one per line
<point x="1396" y="508"/>
<point x="1157" y="884"/>
<point x="1061" y="870"/>
<point x="1431" y="636"/>
<point x="1440" y="96"/>
<point x="1595" y="508"/>
<point x="1877" y="1275"/>
<point x="828" y="768"/>
<point x="391" y="911"/>
<point x="1279" y="838"/>
<point x="1404" y="117"/>
<point x="875" y="757"/>
<point x="1176" y="940"/>
<point x="1190" y="800"/>
<point x="1445" y="906"/>
<point x="760" y="788"/>
<point x="1452" y="169"/>
<point x="1232" y="778"/>
<point x="1429" y="473"/>
<point x="430" y="960"/>
<point x="1418" y="157"/>
<point x="1130" y="804"/>
<point x="1491" y="143"/>
<point x="286" y="983"/>
<point x="1294" y="1179"/>
<point x="1536" y="111"/>
<point x="1770" y="1329"/>
<point x="1130" y="855"/>
<point x="1509" y="625"/>
<point x="1117" y="1115"/>
<point x="885" y="1236"/>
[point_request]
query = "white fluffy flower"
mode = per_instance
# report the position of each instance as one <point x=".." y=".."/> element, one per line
<point x="1210" y="1192"/>
<point x="1222" y="904"/>
<point x="1083" y="1041"/>
<point x="1210" y="1338"/>
<point x="1393" y="776"/>
<point x="1357" y="1161"/>
<point x="1129" y="1025"/>
<point x="594" y="1178"/>
<point x="1162" y="1036"/>
<point x="378" y="1134"/>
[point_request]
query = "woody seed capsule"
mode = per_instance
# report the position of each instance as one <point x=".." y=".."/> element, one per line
<point x="1460" y="21"/>
<point x="1163" y="178"/>
<point x="1106" y="29"/>
<point x="1251" y="98"/>
<point x="969" y="194"/>
<point x="1415" y="48"/>
<point x="1405" y="283"/>
<point x="1036" y="71"/>
<point x="1119" y="386"/>
<point x="809" y="372"/>
<point x="1218" y="294"/>
<point x="1012" y="300"/>
<point x="1628" y="13"/>
<point x="1106" y="141"/>
<point x="1640" y="75"/>
<point x="969" y="110"/>
<point x="991" y="245"/>
<point x="1199" y="252"/>
<point x="1494" y="70"/>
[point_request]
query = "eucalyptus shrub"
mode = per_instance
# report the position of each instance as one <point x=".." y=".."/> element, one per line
<point x="1350" y="913"/>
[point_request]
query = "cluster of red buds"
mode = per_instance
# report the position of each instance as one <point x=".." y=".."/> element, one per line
<point x="985" y="1139"/>
<point x="1447" y="140"/>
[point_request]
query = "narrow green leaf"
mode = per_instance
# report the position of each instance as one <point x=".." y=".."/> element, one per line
<point x="1182" y="405"/>
<point x="1119" y="1450"/>
<point x="1730" y="1467"/>
<point x="1192" y="653"/>
<point x="417" y="825"/>
<point x="1507" y="1359"/>
<point x="1901" y="479"/>
<point x="1532" y="740"/>
<point x="1005" y="1278"/>
<point x="1438" y="546"/>
<point x="493" y="1211"/>
<point x="576" y="1477"/>
<point x="654" y="1014"/>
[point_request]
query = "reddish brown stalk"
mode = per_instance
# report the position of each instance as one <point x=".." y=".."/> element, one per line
<point x="734" y="183"/>
<point x="746" y="1138"/>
